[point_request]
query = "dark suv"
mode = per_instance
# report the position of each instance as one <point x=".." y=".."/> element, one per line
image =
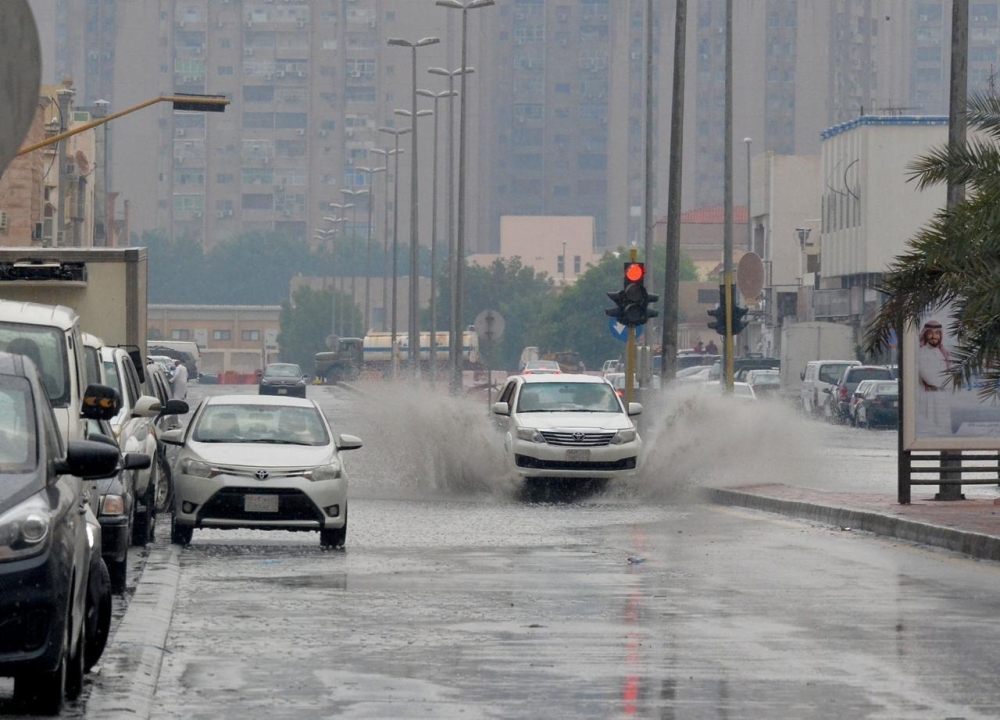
<point x="840" y="395"/>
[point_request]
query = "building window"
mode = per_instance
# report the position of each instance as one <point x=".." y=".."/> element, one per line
<point x="222" y="335"/>
<point x="180" y="334"/>
<point x="251" y="335"/>
<point x="561" y="265"/>
<point x="576" y="264"/>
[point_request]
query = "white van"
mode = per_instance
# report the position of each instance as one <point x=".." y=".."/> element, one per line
<point x="819" y="375"/>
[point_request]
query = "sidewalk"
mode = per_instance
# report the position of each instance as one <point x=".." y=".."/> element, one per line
<point x="971" y="527"/>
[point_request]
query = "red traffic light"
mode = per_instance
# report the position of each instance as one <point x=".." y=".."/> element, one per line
<point x="634" y="272"/>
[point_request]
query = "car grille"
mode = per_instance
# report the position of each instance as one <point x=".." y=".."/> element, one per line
<point x="578" y="438"/>
<point x="227" y="504"/>
<point x="525" y="461"/>
<point x="252" y="472"/>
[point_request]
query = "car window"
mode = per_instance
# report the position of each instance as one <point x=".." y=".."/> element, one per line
<point x="568" y="397"/>
<point x="831" y="374"/>
<point x="274" y="424"/>
<point x="884" y="388"/>
<point x="506" y="393"/>
<point x="283" y="370"/>
<point x="856" y="375"/>
<point x="46" y="348"/>
<point x="131" y="379"/>
<point x="111" y="375"/>
<point x="92" y="365"/>
<point x="18" y="437"/>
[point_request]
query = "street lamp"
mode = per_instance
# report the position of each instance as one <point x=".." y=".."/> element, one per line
<point x="434" y="222"/>
<point x="395" y="234"/>
<point x="457" y="336"/>
<point x="386" y="154"/>
<point x="354" y="194"/>
<point x="368" y="242"/>
<point x="749" y="219"/>
<point x="331" y="235"/>
<point x="451" y="75"/>
<point x="414" y="330"/>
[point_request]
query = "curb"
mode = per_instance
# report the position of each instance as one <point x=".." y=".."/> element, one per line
<point x="975" y="545"/>
<point x="131" y="664"/>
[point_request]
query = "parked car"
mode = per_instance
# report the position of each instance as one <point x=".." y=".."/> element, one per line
<point x="765" y="383"/>
<point x="282" y="379"/>
<point x="541" y="367"/>
<point x="52" y="598"/>
<point x="567" y="426"/>
<point x="839" y="403"/>
<point x="261" y="462"/>
<point x="157" y="384"/>
<point x="611" y="366"/>
<point x="855" y="398"/>
<point x="879" y="404"/>
<point x="817" y="378"/>
<point x="184" y="350"/>
<point x="744" y="391"/>
<point x="617" y="381"/>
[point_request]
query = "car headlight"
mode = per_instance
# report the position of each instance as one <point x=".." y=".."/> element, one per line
<point x="264" y="381"/>
<point x="196" y="468"/>
<point x="112" y="505"/>
<point x="301" y="381"/>
<point x="24" y="529"/>
<point x="529" y="434"/>
<point x="624" y="436"/>
<point x="325" y="472"/>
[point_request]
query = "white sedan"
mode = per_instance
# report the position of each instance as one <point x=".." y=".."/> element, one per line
<point x="265" y="462"/>
<point x="567" y="426"/>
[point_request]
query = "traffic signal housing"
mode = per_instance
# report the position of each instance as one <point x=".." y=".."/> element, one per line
<point x="632" y="301"/>
<point x="739" y="319"/>
<point x="719" y="313"/>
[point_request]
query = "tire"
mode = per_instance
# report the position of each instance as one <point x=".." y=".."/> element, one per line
<point x="334" y="538"/>
<point x="75" y="667"/>
<point x="180" y="534"/>
<point x="117" y="570"/>
<point x="98" y="617"/>
<point x="142" y="526"/>
<point x="165" y="486"/>
<point x="44" y="693"/>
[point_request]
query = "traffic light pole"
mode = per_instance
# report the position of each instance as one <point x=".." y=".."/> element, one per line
<point x="728" y="342"/>
<point x="727" y="236"/>
<point x="630" y="353"/>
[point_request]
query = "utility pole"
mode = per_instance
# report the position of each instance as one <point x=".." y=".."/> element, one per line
<point x="647" y="209"/>
<point x="671" y="271"/>
<point x="64" y="97"/>
<point x="727" y="237"/>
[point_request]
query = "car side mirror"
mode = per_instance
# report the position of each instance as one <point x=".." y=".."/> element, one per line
<point x="173" y="437"/>
<point x="634" y="408"/>
<point x="501" y="408"/>
<point x="175" y="407"/>
<point x="100" y="402"/>
<point x="136" y="461"/>
<point x="348" y="442"/>
<point x="89" y="460"/>
<point x="147" y="406"/>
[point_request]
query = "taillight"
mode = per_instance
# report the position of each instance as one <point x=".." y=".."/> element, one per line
<point x="843" y="393"/>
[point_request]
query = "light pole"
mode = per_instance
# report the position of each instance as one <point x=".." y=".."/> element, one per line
<point x="457" y="334"/>
<point x="451" y="75"/>
<point x="413" y="327"/>
<point x="331" y="235"/>
<point x="749" y="217"/>
<point x="354" y="195"/>
<point x="434" y="223"/>
<point x="412" y="323"/>
<point x="386" y="154"/>
<point x="368" y="243"/>
<point x="395" y="235"/>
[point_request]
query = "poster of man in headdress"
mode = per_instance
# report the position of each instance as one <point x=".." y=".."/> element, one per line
<point x="938" y="413"/>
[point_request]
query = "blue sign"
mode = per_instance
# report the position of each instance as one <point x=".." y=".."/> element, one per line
<point x="620" y="332"/>
<point x="893" y="340"/>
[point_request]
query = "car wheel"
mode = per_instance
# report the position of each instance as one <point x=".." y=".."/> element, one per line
<point x="98" y="617"/>
<point x="44" y="692"/>
<point x="165" y="486"/>
<point x="75" y="667"/>
<point x="334" y="538"/>
<point x="142" y="527"/>
<point x="180" y="534"/>
<point x="117" y="570"/>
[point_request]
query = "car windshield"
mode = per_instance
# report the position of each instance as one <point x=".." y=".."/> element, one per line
<point x="831" y="374"/>
<point x="283" y="371"/>
<point x="742" y="390"/>
<point x="111" y="375"/>
<point x="47" y="349"/>
<point x="18" y="439"/>
<point x="273" y="424"/>
<point x="568" y="397"/>
<point x="860" y="374"/>
<point x="542" y="365"/>
<point x="885" y="388"/>
<point x="766" y="379"/>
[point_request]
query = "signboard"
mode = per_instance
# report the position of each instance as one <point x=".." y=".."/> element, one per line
<point x="620" y="332"/>
<point x="936" y="414"/>
<point x="489" y="326"/>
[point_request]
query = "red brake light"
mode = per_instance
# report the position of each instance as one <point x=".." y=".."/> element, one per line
<point x="843" y="392"/>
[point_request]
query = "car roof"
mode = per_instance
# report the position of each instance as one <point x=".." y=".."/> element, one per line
<point x="92" y="341"/>
<point x="563" y="378"/>
<point x="29" y="313"/>
<point x="275" y="400"/>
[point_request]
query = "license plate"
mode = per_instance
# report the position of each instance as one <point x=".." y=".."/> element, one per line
<point x="282" y="391"/>
<point x="894" y="404"/>
<point x="578" y="455"/>
<point x="260" y="503"/>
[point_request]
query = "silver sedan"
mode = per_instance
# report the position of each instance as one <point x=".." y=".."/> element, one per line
<point x="248" y="461"/>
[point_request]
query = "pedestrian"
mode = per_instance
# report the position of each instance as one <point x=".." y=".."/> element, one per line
<point x="179" y="381"/>
<point x="699" y="347"/>
<point x="711" y="348"/>
<point x="933" y="368"/>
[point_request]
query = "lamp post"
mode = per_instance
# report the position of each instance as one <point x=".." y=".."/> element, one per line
<point x="331" y="235"/>
<point x="457" y="334"/>
<point x="386" y="154"/>
<point x="434" y="223"/>
<point x="749" y="217"/>
<point x="395" y="235"/>
<point x="412" y="322"/>
<point x="368" y="243"/>
<point x="451" y="75"/>
<point x="413" y="328"/>
<point x="354" y="194"/>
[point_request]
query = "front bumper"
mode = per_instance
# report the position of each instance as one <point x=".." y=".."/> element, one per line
<point x="34" y="594"/>
<point x="531" y="459"/>
<point x="220" y="502"/>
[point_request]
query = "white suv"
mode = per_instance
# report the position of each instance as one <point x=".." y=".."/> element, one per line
<point x="818" y="376"/>
<point x="567" y="426"/>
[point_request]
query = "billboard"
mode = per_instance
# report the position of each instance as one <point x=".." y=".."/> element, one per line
<point x="938" y="415"/>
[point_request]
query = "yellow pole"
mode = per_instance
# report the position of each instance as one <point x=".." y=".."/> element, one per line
<point x="630" y="351"/>
<point x="729" y="332"/>
<point x="87" y="126"/>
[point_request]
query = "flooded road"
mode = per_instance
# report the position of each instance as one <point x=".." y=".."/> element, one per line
<point x="457" y="598"/>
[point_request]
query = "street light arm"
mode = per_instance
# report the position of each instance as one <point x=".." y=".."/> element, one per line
<point x="451" y="73"/>
<point x="207" y="100"/>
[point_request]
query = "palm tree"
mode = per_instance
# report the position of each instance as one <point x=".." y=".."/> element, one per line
<point x="955" y="259"/>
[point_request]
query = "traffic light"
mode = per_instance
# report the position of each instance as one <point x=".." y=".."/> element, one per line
<point x="719" y="313"/>
<point x="632" y="301"/>
<point x="739" y="321"/>
<point x="617" y="312"/>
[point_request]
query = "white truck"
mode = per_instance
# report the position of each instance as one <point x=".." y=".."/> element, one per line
<point x="807" y="341"/>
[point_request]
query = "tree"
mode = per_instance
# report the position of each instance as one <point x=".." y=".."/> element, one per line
<point x="955" y="258"/>
<point x="305" y="323"/>
<point x="175" y="269"/>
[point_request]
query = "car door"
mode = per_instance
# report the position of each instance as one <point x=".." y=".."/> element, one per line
<point x="138" y="434"/>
